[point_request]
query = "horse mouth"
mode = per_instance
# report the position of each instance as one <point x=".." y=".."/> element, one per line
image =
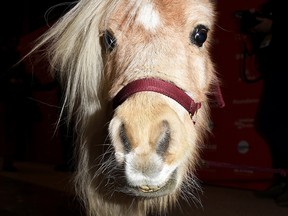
<point x="149" y="191"/>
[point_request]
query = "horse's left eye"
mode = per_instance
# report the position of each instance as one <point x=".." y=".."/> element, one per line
<point x="110" y="40"/>
<point x="199" y="35"/>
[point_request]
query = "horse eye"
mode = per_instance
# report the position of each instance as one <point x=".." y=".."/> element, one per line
<point x="109" y="40"/>
<point x="199" y="35"/>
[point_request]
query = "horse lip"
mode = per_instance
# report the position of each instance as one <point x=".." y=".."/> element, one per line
<point x="153" y="191"/>
<point x="148" y="189"/>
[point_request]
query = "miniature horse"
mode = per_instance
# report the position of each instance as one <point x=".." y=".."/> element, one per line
<point x="137" y="76"/>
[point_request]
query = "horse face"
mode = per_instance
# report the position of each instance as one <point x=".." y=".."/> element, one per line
<point x="154" y="142"/>
<point x="154" y="138"/>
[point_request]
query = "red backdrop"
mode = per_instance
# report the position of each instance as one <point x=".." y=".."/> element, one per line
<point x="235" y="154"/>
<point x="235" y="143"/>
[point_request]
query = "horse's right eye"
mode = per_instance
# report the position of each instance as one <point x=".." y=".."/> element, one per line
<point x="109" y="40"/>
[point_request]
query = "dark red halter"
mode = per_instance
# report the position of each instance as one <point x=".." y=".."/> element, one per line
<point x="160" y="86"/>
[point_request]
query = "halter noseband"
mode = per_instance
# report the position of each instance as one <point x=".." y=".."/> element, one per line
<point x="160" y="86"/>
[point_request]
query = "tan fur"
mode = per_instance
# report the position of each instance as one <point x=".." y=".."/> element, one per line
<point x="92" y="77"/>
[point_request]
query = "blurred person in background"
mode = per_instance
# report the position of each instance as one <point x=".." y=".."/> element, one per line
<point x="272" y="115"/>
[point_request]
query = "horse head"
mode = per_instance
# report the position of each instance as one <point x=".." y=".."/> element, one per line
<point x="137" y="75"/>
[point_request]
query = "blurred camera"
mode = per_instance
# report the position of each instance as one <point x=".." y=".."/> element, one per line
<point x="248" y="19"/>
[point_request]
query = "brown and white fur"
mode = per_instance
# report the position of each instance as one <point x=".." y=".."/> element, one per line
<point x="139" y="158"/>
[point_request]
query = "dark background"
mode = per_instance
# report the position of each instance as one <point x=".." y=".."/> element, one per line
<point x="21" y="17"/>
<point x="29" y="97"/>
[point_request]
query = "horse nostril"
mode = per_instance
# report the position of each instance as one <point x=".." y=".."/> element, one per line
<point x="124" y="139"/>
<point x="164" y="139"/>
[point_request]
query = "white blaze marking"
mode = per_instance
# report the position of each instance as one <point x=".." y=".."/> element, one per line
<point x="148" y="17"/>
